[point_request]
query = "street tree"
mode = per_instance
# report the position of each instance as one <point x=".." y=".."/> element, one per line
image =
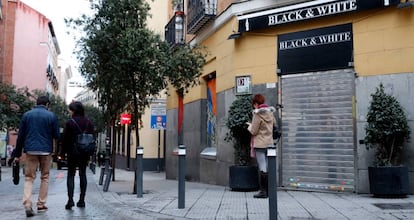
<point x="127" y="63"/>
<point x="185" y="63"/>
<point x="121" y="58"/>
<point x="14" y="102"/>
<point x="95" y="115"/>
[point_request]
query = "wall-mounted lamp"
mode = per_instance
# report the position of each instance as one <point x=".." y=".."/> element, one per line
<point x="234" y="35"/>
<point x="406" y="4"/>
<point x="179" y="27"/>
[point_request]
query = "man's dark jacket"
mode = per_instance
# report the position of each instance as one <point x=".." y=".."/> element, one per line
<point x="37" y="130"/>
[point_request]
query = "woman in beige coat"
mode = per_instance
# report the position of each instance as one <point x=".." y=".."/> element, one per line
<point x="261" y="129"/>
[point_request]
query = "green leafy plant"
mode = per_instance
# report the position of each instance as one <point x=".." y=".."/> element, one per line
<point x="14" y="102"/>
<point x="239" y="113"/>
<point x="387" y="129"/>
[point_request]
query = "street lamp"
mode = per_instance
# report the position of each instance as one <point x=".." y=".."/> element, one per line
<point x="179" y="27"/>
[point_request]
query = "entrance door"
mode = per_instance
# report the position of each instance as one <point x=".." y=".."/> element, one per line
<point x="318" y="130"/>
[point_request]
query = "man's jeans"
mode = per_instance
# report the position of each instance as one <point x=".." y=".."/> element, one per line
<point x="32" y="161"/>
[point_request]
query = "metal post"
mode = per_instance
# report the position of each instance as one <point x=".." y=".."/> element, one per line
<point x="101" y="176"/>
<point x="107" y="154"/>
<point x="108" y="169"/>
<point x="159" y="152"/>
<point x="128" y="147"/>
<point x="92" y="167"/>
<point x="181" y="176"/>
<point x="139" y="171"/>
<point x="272" y="183"/>
<point x="107" y="180"/>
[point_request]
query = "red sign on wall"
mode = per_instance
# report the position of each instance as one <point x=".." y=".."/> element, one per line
<point x="125" y="119"/>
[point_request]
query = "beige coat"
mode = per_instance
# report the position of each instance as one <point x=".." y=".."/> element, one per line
<point x="261" y="127"/>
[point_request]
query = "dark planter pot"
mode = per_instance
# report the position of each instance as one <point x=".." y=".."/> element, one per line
<point x="243" y="178"/>
<point x="389" y="181"/>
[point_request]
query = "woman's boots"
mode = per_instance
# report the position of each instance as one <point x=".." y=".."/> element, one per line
<point x="263" y="186"/>
<point x="83" y="183"/>
<point x="70" y="183"/>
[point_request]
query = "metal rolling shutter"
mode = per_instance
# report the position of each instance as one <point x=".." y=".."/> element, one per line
<point x="318" y="130"/>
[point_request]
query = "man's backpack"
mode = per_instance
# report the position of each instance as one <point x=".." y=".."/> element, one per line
<point x="84" y="143"/>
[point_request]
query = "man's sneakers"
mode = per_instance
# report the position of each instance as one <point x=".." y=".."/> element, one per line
<point x="29" y="212"/>
<point x="42" y="208"/>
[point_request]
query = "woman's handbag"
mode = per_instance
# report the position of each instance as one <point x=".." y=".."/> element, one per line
<point x="16" y="172"/>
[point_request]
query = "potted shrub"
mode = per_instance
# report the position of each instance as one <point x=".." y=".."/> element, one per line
<point x="243" y="175"/>
<point x="386" y="132"/>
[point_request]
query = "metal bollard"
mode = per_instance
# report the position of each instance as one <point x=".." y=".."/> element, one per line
<point x="139" y="170"/>
<point x="272" y="183"/>
<point x="107" y="180"/>
<point x="181" y="176"/>
<point x="107" y="154"/>
<point x="92" y="167"/>
<point x="101" y="176"/>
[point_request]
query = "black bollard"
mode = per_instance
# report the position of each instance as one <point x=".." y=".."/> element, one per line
<point x="139" y="170"/>
<point x="107" y="180"/>
<point x="107" y="154"/>
<point x="101" y="177"/>
<point x="272" y="183"/>
<point x="108" y="169"/>
<point x="92" y="167"/>
<point x="181" y="176"/>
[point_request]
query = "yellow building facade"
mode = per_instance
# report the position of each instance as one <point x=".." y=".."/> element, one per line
<point x="151" y="138"/>
<point x="319" y="59"/>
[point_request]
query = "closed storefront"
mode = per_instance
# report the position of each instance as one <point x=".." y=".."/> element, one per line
<point x="318" y="139"/>
<point x="317" y="81"/>
<point x="319" y="59"/>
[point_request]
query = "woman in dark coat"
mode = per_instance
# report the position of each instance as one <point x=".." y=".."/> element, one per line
<point x="76" y="160"/>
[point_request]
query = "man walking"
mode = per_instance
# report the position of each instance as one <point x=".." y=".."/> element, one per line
<point x="38" y="128"/>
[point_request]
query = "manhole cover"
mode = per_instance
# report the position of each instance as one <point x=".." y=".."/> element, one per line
<point x="407" y="205"/>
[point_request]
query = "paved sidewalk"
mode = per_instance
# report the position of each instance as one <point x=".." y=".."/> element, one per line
<point x="205" y="201"/>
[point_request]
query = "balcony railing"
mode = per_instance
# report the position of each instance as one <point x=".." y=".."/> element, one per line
<point x="200" y="12"/>
<point x="174" y="30"/>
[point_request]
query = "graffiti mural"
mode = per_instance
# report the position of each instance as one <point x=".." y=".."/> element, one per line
<point x="211" y="112"/>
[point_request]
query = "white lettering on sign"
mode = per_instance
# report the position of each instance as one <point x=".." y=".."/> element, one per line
<point x="316" y="40"/>
<point x="313" y="12"/>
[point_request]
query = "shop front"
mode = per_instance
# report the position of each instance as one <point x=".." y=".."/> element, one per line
<point x="316" y="79"/>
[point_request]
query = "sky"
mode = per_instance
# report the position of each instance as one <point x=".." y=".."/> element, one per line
<point x="56" y="11"/>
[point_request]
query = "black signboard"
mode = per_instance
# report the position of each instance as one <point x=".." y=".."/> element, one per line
<point x="315" y="50"/>
<point x="306" y="11"/>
